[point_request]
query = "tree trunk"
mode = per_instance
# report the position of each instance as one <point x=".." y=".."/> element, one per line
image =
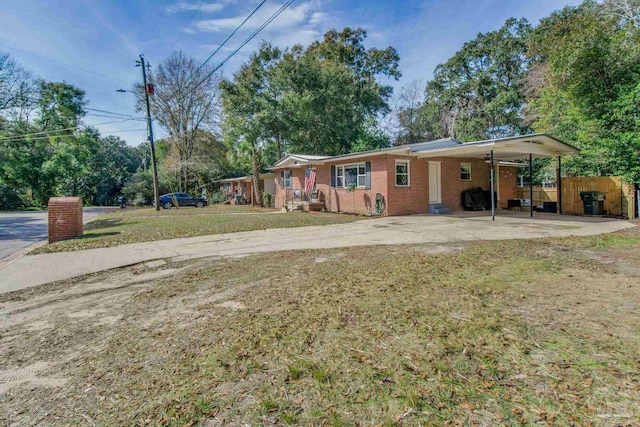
<point x="278" y="145"/>
<point x="257" y="191"/>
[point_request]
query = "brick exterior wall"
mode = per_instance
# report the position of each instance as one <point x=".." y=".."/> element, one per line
<point x="508" y="182"/>
<point x="408" y="200"/>
<point x="452" y="183"/>
<point x="400" y="200"/>
<point x="361" y="200"/>
<point x="65" y="218"/>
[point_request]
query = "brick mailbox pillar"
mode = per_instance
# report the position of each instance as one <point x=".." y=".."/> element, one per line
<point x="65" y="218"/>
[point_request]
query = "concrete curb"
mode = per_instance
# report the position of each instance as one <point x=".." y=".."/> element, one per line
<point x="7" y="261"/>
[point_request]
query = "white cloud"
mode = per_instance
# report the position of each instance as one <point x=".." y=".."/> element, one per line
<point x="291" y="17"/>
<point x="184" y="6"/>
<point x="318" y="18"/>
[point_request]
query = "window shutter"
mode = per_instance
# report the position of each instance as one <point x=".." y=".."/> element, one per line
<point x="333" y="176"/>
<point x="282" y="179"/>
<point x="367" y="178"/>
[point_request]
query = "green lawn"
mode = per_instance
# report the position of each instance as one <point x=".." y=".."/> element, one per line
<point x="527" y="332"/>
<point x="142" y="225"/>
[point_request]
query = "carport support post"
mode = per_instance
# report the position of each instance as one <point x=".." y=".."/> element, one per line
<point x="559" y="185"/>
<point x="493" y="199"/>
<point x="531" y="184"/>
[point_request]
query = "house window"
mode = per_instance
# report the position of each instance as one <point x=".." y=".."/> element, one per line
<point x="402" y="173"/>
<point x="351" y="175"/>
<point x="286" y="179"/>
<point x="465" y="171"/>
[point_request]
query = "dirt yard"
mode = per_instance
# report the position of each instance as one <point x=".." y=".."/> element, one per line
<point x="528" y="332"/>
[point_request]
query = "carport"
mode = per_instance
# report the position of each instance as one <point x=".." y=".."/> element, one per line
<point x="512" y="149"/>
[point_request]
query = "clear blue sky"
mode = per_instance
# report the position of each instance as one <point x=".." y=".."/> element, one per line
<point x="106" y="36"/>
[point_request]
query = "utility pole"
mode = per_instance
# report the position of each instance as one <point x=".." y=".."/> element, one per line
<point x="156" y="196"/>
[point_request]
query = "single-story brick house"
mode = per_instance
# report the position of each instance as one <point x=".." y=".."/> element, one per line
<point x="243" y="186"/>
<point x="411" y="179"/>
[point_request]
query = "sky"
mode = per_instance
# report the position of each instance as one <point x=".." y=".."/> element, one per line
<point x="93" y="44"/>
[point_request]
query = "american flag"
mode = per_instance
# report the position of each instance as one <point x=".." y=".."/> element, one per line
<point x="309" y="182"/>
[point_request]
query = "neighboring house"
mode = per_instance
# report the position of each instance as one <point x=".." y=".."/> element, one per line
<point x="243" y="186"/>
<point x="410" y="179"/>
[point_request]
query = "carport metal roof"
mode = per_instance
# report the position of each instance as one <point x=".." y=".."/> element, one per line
<point x="507" y="149"/>
<point x="537" y="145"/>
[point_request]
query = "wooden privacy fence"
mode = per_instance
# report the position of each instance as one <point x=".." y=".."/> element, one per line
<point x="620" y="198"/>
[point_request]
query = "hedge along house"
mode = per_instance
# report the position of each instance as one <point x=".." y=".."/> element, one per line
<point x="243" y="186"/>
<point x="426" y="177"/>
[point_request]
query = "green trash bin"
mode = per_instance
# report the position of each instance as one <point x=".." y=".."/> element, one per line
<point x="593" y="202"/>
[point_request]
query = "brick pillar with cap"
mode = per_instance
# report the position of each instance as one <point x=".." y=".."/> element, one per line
<point x="65" y="218"/>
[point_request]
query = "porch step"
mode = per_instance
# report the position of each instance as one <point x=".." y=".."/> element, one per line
<point x="438" y="209"/>
<point x="294" y="206"/>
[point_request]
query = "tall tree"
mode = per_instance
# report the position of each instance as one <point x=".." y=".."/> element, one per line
<point x="409" y="115"/>
<point x="324" y="98"/>
<point x="184" y="103"/>
<point x="51" y="157"/>
<point x="589" y="61"/>
<point x="46" y="150"/>
<point x="477" y="94"/>
<point x="61" y="106"/>
<point x="337" y="90"/>
<point x="627" y="12"/>
<point x="245" y="102"/>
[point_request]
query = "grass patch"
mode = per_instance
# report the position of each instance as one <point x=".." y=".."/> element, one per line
<point x="143" y="225"/>
<point x="528" y="332"/>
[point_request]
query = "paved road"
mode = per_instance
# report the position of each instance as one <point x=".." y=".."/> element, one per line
<point x="33" y="270"/>
<point x="19" y="230"/>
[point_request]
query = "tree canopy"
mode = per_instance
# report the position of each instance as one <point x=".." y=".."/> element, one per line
<point x="588" y="63"/>
<point x="576" y="75"/>
<point x="324" y="98"/>
<point x="45" y="150"/>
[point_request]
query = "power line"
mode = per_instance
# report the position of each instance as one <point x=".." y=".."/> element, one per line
<point x="221" y="46"/>
<point x="244" y="43"/>
<point x="107" y="116"/>
<point x="112" y="112"/>
<point x="54" y="136"/>
<point x="20" y="137"/>
<point x="64" y="64"/>
<point x="107" y="113"/>
<point x="115" y="113"/>
<point x="64" y="30"/>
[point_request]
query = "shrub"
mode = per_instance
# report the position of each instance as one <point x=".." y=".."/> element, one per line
<point x="218" y="197"/>
<point x="267" y="199"/>
<point x="10" y="198"/>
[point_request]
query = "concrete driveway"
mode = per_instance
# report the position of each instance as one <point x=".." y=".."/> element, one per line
<point x="33" y="270"/>
<point x="19" y="230"/>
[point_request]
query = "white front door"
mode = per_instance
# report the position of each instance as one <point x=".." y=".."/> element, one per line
<point x="435" y="183"/>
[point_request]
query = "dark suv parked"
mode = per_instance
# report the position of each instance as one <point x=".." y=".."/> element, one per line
<point x="167" y="201"/>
